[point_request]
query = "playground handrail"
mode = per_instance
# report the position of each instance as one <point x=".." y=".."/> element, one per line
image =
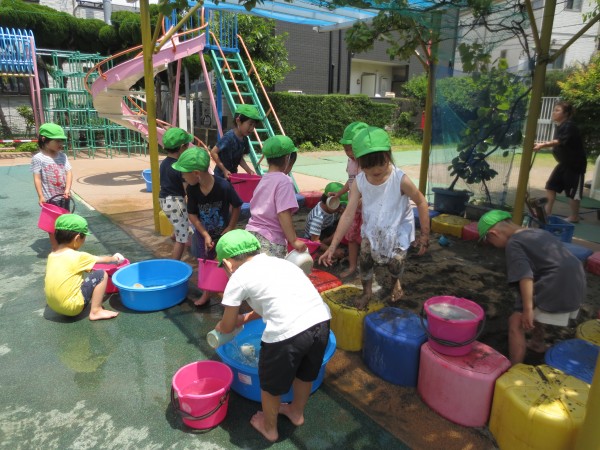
<point x="262" y="87"/>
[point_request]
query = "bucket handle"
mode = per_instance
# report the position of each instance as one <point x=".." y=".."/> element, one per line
<point x="451" y="343"/>
<point x="187" y="416"/>
<point x="72" y="202"/>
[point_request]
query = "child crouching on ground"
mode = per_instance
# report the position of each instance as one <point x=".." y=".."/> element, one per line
<point x="213" y="205"/>
<point x="297" y="325"/>
<point x="321" y="221"/>
<point x="274" y="200"/>
<point x="70" y="283"/>
<point x="388" y="227"/>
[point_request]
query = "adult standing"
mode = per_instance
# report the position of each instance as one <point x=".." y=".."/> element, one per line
<point x="567" y="148"/>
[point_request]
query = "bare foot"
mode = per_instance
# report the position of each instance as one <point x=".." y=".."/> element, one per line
<point x="363" y="301"/>
<point x="103" y="314"/>
<point x="203" y="300"/>
<point x="572" y="219"/>
<point x="397" y="293"/>
<point x="350" y="271"/>
<point x="287" y="410"/>
<point x="258" y="422"/>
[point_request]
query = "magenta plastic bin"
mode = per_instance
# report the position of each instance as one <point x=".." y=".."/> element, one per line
<point x="110" y="270"/>
<point x="452" y="336"/>
<point x="48" y="216"/>
<point x="200" y="393"/>
<point x="211" y="277"/>
<point x="244" y="184"/>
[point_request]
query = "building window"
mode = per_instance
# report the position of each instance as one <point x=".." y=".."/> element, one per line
<point x="537" y="4"/>
<point x="558" y="63"/>
<point x="573" y="5"/>
<point x="503" y="54"/>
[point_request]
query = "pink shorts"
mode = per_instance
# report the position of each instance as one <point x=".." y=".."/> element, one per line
<point x="353" y="233"/>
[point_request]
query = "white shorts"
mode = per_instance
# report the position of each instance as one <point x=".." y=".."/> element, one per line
<point x="176" y="211"/>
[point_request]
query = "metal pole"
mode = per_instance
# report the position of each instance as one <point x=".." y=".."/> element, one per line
<point x="589" y="434"/>
<point x="148" y="50"/>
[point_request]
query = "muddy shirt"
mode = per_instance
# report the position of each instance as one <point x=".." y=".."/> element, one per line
<point x="569" y="151"/>
<point x="558" y="276"/>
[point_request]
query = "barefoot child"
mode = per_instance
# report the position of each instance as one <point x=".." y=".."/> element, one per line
<point x="172" y="190"/>
<point x="388" y="227"/>
<point x="70" y="283"/>
<point x="52" y="176"/>
<point x="213" y="205"/>
<point x="274" y="200"/>
<point x="548" y="276"/>
<point x="229" y="152"/>
<point x="353" y="235"/>
<point x="297" y="325"/>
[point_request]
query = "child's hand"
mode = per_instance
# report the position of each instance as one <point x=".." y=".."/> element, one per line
<point x="327" y="258"/>
<point x="118" y="258"/>
<point x="299" y="246"/>
<point x="422" y="244"/>
<point x="208" y="243"/>
<point x="227" y="174"/>
<point x="527" y="320"/>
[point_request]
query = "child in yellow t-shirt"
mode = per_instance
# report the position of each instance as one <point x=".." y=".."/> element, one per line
<point x="70" y="283"/>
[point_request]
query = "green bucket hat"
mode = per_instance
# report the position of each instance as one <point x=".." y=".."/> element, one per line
<point x="370" y="140"/>
<point x="277" y="146"/>
<point x="176" y="137"/>
<point x="489" y="219"/>
<point x="72" y="222"/>
<point x="236" y="242"/>
<point x="334" y="186"/>
<point x="52" y="131"/>
<point x="193" y="158"/>
<point x="351" y="131"/>
<point x="250" y="111"/>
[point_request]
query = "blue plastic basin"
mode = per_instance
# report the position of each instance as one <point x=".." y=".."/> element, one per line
<point x="154" y="284"/>
<point x="245" y="377"/>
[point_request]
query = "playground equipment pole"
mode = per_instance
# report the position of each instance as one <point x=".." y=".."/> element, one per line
<point x="148" y="53"/>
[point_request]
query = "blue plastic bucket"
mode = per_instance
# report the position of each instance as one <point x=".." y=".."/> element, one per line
<point x="154" y="284"/>
<point x="147" y="176"/>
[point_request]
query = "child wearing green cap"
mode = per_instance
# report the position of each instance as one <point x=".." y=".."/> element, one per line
<point x="229" y="151"/>
<point x="548" y="279"/>
<point x="172" y="191"/>
<point x="71" y="283"/>
<point x="52" y="175"/>
<point x="352" y="236"/>
<point x="321" y="220"/>
<point x="274" y="200"/>
<point x="213" y="205"/>
<point x="297" y="325"/>
<point x="388" y="228"/>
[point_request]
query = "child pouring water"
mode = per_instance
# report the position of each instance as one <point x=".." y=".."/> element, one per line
<point x="71" y="283"/>
<point x="321" y="220"/>
<point x="388" y="227"/>
<point x="274" y="200"/>
<point x="52" y="176"/>
<point x="229" y="151"/>
<point x="172" y="190"/>
<point x="213" y="205"/>
<point x="297" y="325"/>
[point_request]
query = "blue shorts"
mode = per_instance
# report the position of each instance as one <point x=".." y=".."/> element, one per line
<point x="91" y="280"/>
<point x="300" y="356"/>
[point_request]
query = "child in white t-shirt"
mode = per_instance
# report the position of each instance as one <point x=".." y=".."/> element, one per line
<point x="274" y="200"/>
<point x="297" y="325"/>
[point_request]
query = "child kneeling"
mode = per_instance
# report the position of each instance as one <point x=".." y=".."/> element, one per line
<point x="70" y="283"/>
<point x="297" y="325"/>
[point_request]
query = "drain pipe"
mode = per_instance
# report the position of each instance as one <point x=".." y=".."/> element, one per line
<point x="107" y="5"/>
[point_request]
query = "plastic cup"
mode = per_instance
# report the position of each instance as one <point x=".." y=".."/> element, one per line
<point x="216" y="339"/>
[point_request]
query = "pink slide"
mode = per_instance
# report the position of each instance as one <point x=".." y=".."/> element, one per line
<point x="108" y="90"/>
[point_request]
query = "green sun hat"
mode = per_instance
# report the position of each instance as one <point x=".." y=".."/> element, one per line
<point x="236" y="242"/>
<point x="489" y="219"/>
<point x="250" y="111"/>
<point x="370" y="140"/>
<point x="52" y="131"/>
<point x="351" y="131"/>
<point x="277" y="146"/>
<point x="193" y="158"/>
<point x="72" y="222"/>
<point x="175" y="137"/>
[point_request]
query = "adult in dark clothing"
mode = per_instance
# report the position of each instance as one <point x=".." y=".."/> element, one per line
<point x="567" y="148"/>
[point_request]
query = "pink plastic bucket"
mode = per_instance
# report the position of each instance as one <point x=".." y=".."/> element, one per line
<point x="244" y="184"/>
<point x="110" y="270"/>
<point x="453" y="324"/>
<point x="211" y="277"/>
<point x="48" y="216"/>
<point x="202" y="389"/>
<point x="313" y="246"/>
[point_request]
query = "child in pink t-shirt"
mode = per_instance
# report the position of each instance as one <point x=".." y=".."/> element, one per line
<point x="353" y="234"/>
<point x="274" y="200"/>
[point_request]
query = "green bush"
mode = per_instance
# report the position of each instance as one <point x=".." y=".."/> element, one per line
<point x="319" y="119"/>
<point x="28" y="147"/>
